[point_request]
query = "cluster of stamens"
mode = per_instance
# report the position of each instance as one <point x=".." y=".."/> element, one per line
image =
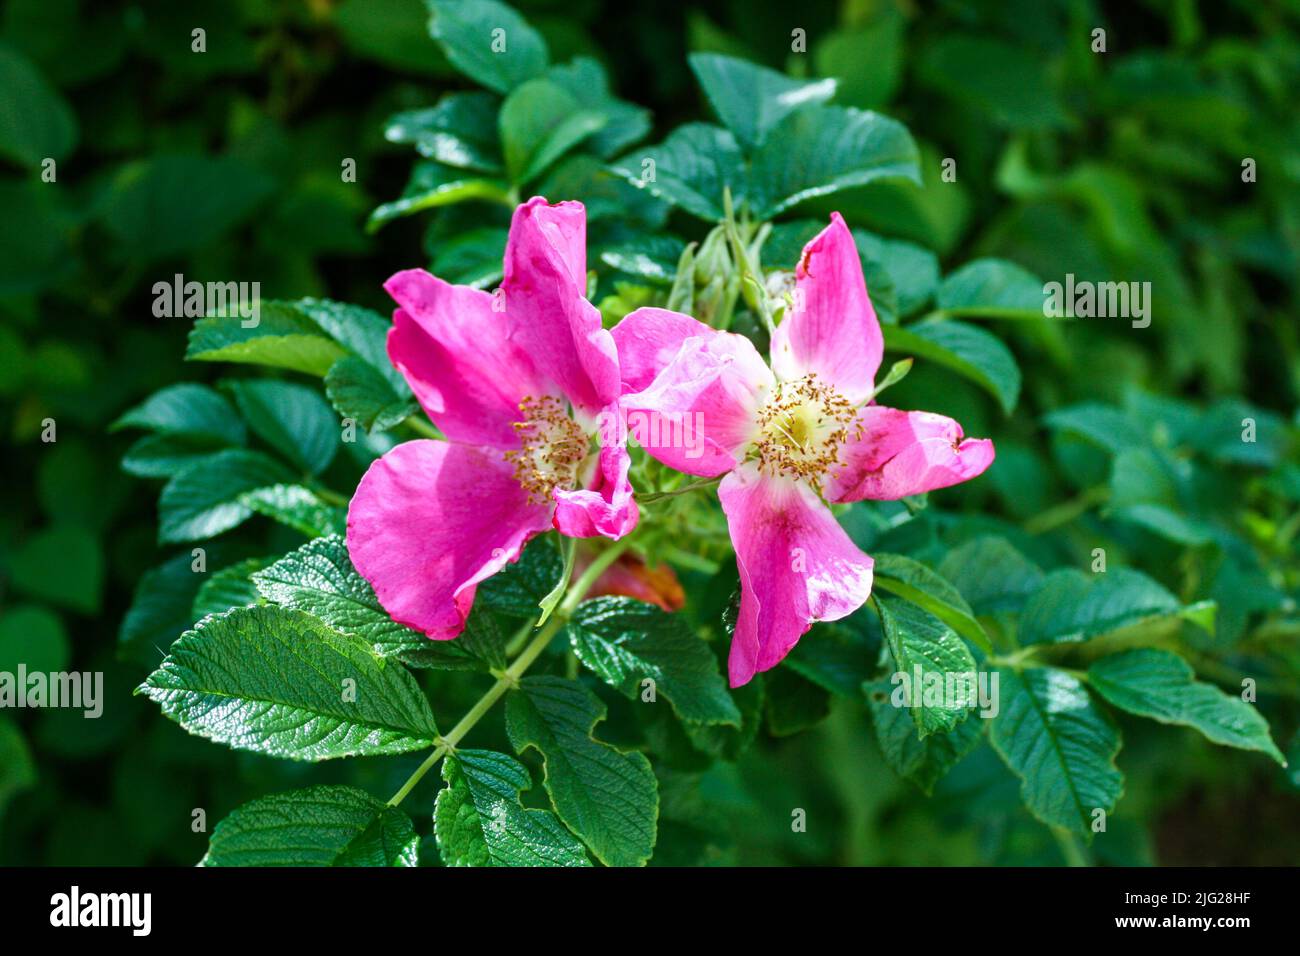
<point x="551" y="447"/>
<point x="801" y="428"/>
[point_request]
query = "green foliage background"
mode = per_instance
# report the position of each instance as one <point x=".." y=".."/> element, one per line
<point x="1123" y="165"/>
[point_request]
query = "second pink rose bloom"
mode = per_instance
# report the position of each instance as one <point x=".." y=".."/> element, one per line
<point x="786" y="437"/>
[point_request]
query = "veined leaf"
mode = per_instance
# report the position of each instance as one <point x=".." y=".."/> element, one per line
<point x="991" y="574"/>
<point x="922" y="761"/>
<point x="625" y="642"/>
<point x="296" y="506"/>
<point x="479" y="821"/>
<point x="926" y="651"/>
<point x="291" y="418"/>
<point x="281" y="338"/>
<point x="279" y="682"/>
<point x="966" y="349"/>
<point x="360" y="392"/>
<point x="488" y="41"/>
<point x="230" y="587"/>
<point x="1075" y="606"/>
<point x="461" y="131"/>
<point x="316" y="826"/>
<point x="690" y="169"/>
<point x="608" y="798"/>
<point x="540" y="122"/>
<point x="1161" y="685"/>
<point x="319" y="579"/>
<point x="915" y="582"/>
<point x="993" y="288"/>
<point x="1060" y="745"/>
<point x="188" y="410"/>
<point x="751" y="99"/>
<point x="204" y="499"/>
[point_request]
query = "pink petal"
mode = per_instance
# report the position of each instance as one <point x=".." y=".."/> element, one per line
<point x="455" y="353"/>
<point x="796" y="566"/>
<point x="701" y="411"/>
<point x="902" y="453"/>
<point x="605" y="507"/>
<point x="836" y="335"/>
<point x="545" y="288"/>
<point x="429" y="521"/>
<point x="648" y="339"/>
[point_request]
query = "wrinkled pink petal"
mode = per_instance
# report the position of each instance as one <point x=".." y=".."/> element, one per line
<point x="902" y="453"/>
<point x="796" y="566"/>
<point x="546" y="308"/>
<point x="701" y="411"/>
<point x="605" y="507"/>
<point x="648" y="339"/>
<point x="429" y="521"/>
<point x="835" y="334"/>
<point x="454" y="352"/>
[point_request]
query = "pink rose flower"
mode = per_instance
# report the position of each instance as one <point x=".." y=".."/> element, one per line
<point x="520" y="382"/>
<point x="788" y="439"/>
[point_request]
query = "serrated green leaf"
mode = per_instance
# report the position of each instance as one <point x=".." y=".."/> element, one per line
<point x="187" y="410"/>
<point x="518" y="589"/>
<point x="291" y="418"/>
<point x="229" y="587"/>
<point x="1161" y="685"/>
<point x="625" y="642"/>
<point x="922" y="761"/>
<point x="608" y="798"/>
<point x="316" y="826"/>
<point x="925" y="649"/>
<point x="584" y="79"/>
<point x="488" y="41"/>
<point x="1060" y="745"/>
<point x="360" y="392"/>
<point x="993" y="288"/>
<point x="432" y="185"/>
<point x="461" y="131"/>
<point x="991" y="574"/>
<point x="205" y="499"/>
<point x="359" y="330"/>
<point x="319" y="579"/>
<point x="1075" y="606"/>
<point x="750" y="99"/>
<point x="282" y="338"/>
<point x="965" y="349"/>
<point x="927" y="589"/>
<point x="164" y="456"/>
<point x="540" y="122"/>
<point x="690" y="169"/>
<point x="820" y="150"/>
<point x="279" y="682"/>
<point x="296" y="506"/>
<point x="479" y="821"/>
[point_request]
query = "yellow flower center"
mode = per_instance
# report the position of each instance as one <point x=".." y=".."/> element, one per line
<point x="551" y="448"/>
<point x="801" y="429"/>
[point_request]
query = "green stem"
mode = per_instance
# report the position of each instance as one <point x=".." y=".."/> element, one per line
<point x="683" y="490"/>
<point x="1070" y="849"/>
<point x="418" y="424"/>
<point x="510" y="676"/>
<point x="329" y="496"/>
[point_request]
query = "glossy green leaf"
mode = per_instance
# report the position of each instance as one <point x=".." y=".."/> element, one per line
<point x="913" y="581"/>
<point x="608" y="798"/>
<point x="488" y="41"/>
<point x="360" y="392"/>
<point x="292" y="418"/>
<point x="461" y="131"/>
<point x="627" y="642"/>
<point x="1073" y="605"/>
<point x="691" y="169"/>
<point x="750" y="99"/>
<point x="230" y="587"/>
<point x="540" y="122"/>
<point x="204" y="500"/>
<point x="926" y="651"/>
<point x="1161" y="685"/>
<point x="965" y="349"/>
<point x="189" y="410"/>
<point x="992" y="288"/>
<point x="1060" y="745"/>
<point x="279" y="682"/>
<point x="281" y="338"/>
<point x="316" y="826"/>
<point x="923" y="761"/>
<point x="478" y="819"/>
